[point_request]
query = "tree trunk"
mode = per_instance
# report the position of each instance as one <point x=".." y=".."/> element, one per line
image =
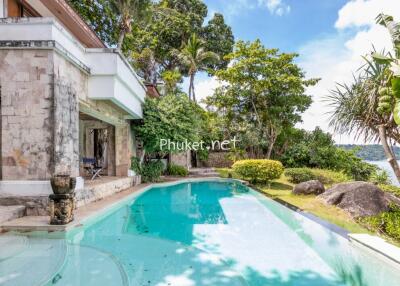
<point x="193" y="93"/>
<point x="191" y="88"/>
<point x="271" y="138"/>
<point x="142" y="157"/>
<point x="270" y="148"/>
<point x="388" y="151"/>
<point x="121" y="40"/>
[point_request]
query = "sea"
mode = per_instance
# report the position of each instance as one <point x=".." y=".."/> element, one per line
<point x="384" y="165"/>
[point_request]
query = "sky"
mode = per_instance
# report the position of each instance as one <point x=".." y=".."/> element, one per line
<point x="331" y="36"/>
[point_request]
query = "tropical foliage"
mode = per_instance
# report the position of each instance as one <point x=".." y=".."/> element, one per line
<point x="317" y="149"/>
<point x="369" y="106"/>
<point x="150" y="171"/>
<point x="264" y="93"/>
<point x="386" y="222"/>
<point x="195" y="58"/>
<point x="298" y="175"/>
<point x="150" y="31"/>
<point x="172" y="117"/>
<point x="129" y="12"/>
<point x="176" y="170"/>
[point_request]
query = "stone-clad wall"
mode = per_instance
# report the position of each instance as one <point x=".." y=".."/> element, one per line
<point x="41" y="95"/>
<point x="69" y="83"/>
<point x="26" y="87"/>
<point x="67" y="72"/>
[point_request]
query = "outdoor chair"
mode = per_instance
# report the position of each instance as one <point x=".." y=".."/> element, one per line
<point x="91" y="167"/>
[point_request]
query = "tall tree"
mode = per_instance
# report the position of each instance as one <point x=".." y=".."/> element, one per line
<point x="172" y="117"/>
<point x="265" y="90"/>
<point x="218" y="38"/>
<point x="129" y="11"/>
<point x="195" y="58"/>
<point x="100" y="16"/>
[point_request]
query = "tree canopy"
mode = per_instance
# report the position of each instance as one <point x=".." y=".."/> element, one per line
<point x="264" y="92"/>
<point x="172" y="117"/>
<point x="167" y="26"/>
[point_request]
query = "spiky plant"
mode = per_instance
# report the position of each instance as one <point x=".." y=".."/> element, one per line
<point x="355" y="110"/>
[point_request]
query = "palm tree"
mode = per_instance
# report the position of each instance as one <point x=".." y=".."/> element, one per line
<point x="129" y="11"/>
<point x="194" y="57"/>
<point x="355" y="110"/>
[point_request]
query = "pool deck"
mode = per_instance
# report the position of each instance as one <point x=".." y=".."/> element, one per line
<point x="41" y="223"/>
<point x="82" y="213"/>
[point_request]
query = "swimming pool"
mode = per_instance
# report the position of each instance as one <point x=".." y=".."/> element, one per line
<point x="209" y="232"/>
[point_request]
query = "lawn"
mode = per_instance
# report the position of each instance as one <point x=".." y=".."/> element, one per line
<point x="281" y="189"/>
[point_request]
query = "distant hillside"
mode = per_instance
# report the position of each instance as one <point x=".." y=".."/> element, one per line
<point x="371" y="152"/>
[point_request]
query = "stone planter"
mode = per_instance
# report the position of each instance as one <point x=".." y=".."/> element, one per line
<point x="62" y="184"/>
<point x="61" y="208"/>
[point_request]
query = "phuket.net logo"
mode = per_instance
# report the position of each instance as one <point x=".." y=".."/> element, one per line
<point x="186" y="145"/>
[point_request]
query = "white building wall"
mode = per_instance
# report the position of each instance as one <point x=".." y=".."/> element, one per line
<point x="110" y="75"/>
<point x="2" y="14"/>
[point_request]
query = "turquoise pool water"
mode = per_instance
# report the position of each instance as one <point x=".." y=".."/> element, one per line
<point x="197" y="233"/>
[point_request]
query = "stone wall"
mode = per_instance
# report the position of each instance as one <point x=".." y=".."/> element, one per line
<point x="26" y="87"/>
<point x="69" y="83"/>
<point x="122" y="150"/>
<point x="181" y="159"/>
<point x="217" y="160"/>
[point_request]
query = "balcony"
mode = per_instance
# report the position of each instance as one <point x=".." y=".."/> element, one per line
<point x="111" y="77"/>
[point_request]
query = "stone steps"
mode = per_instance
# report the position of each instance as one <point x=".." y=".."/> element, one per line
<point x="203" y="172"/>
<point x="11" y="212"/>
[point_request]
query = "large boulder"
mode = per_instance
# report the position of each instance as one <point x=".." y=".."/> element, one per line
<point x="359" y="199"/>
<point x="313" y="187"/>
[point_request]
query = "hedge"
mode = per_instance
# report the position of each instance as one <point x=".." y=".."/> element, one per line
<point x="258" y="170"/>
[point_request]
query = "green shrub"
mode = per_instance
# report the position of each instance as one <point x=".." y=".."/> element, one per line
<point x="330" y="177"/>
<point x="258" y="170"/>
<point x="390" y="189"/>
<point x="298" y="175"/>
<point x="386" y="222"/>
<point x="176" y="170"/>
<point x="379" y="177"/>
<point x="150" y="171"/>
<point x="225" y="172"/>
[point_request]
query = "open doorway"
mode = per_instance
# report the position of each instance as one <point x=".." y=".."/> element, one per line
<point x="97" y="144"/>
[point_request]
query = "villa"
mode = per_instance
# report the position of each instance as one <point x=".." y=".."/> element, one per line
<point x="65" y="96"/>
<point x="74" y="212"/>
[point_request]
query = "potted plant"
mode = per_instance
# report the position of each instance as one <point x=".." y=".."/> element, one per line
<point x="62" y="184"/>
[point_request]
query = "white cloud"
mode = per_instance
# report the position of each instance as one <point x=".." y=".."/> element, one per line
<point x="336" y="57"/>
<point x="275" y="7"/>
<point x="204" y="86"/>
<point x="358" y="13"/>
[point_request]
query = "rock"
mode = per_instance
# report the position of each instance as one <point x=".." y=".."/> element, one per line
<point x="359" y="199"/>
<point x="313" y="187"/>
